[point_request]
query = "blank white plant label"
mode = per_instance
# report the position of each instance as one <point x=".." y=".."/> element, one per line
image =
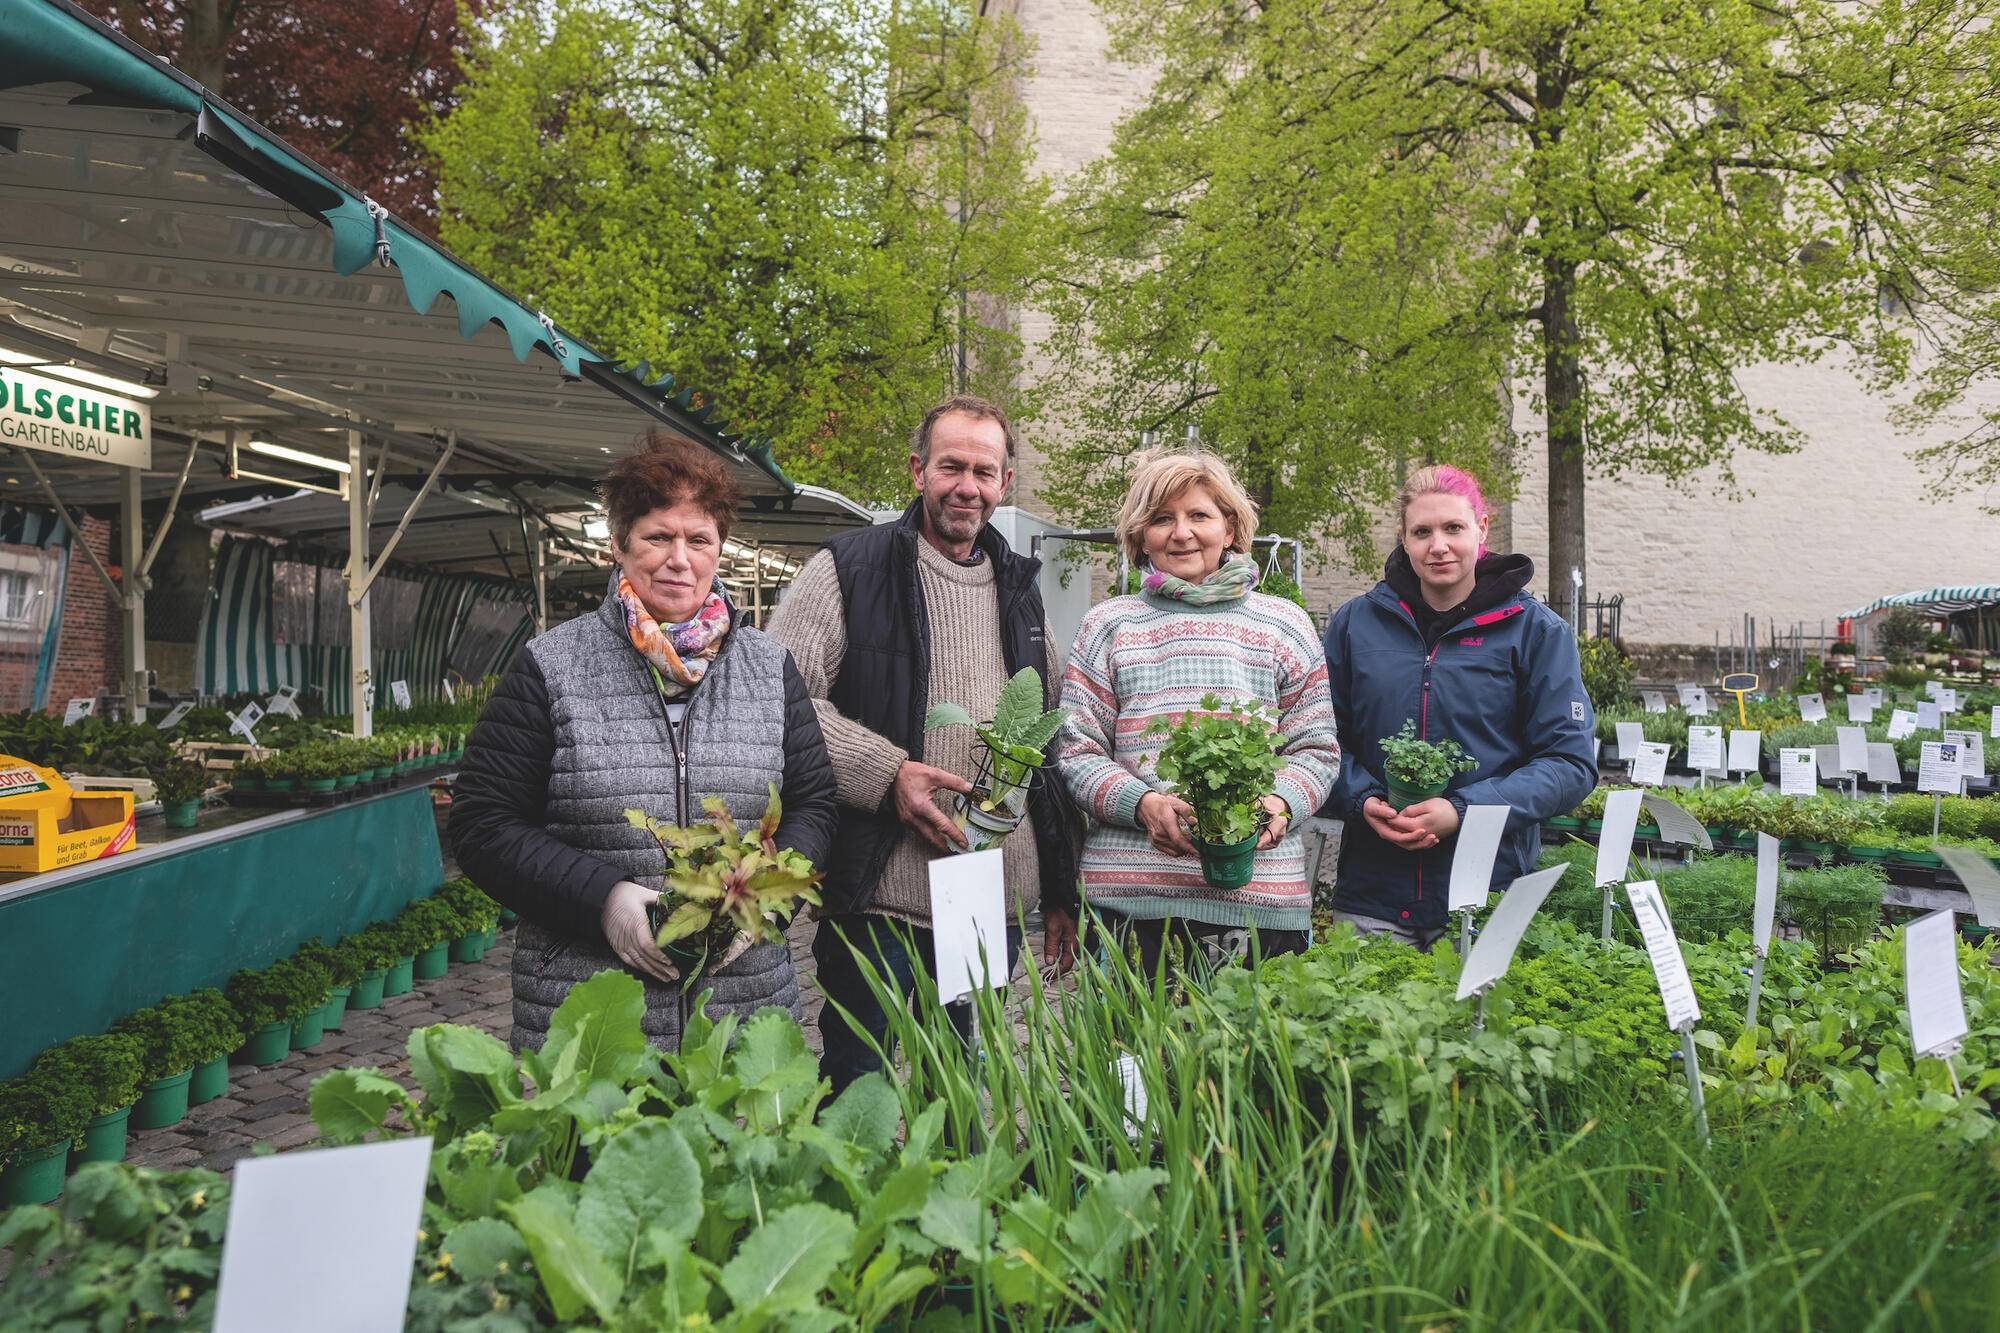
<point x="1812" y="708"/>
<point x="1650" y="768"/>
<point x="1873" y="694"/>
<point x="1765" y="906"/>
<point x="1929" y="716"/>
<point x="1493" y="949"/>
<point x="1902" y="722"/>
<point x="1704" y="748"/>
<point x="1940" y="770"/>
<point x="1631" y="735"/>
<point x="1479" y="837"/>
<point x="1746" y="749"/>
<point x="1655" y="701"/>
<point x="1930" y="980"/>
<point x="1797" y="774"/>
<point x="1934" y="688"/>
<point x="1853" y="749"/>
<point x="1994" y="728"/>
<point x="1883" y="766"/>
<point x="1614" y="844"/>
<point x="1859" y="709"/>
<point x="1669" y="968"/>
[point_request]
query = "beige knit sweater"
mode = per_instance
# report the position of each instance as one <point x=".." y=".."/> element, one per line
<point x="967" y="667"/>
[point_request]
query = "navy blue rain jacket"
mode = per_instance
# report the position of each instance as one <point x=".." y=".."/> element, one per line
<point x="1504" y="683"/>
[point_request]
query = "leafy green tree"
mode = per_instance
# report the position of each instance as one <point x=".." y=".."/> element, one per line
<point x="803" y="211"/>
<point x="1339" y="231"/>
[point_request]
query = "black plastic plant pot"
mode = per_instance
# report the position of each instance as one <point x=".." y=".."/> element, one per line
<point x="986" y="820"/>
<point x="1401" y="794"/>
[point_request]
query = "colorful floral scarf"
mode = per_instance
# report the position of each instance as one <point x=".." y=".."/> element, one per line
<point x="681" y="653"/>
<point x="1236" y="576"/>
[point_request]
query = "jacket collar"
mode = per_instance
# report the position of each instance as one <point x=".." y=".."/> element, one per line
<point x="1498" y="584"/>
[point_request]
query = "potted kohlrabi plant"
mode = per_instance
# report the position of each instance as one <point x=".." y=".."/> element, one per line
<point x="720" y="879"/>
<point x="1010" y="760"/>
<point x="1414" y="769"/>
<point x="1222" y="760"/>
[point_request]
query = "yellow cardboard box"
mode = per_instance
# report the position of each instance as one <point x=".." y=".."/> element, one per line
<point x="45" y="826"/>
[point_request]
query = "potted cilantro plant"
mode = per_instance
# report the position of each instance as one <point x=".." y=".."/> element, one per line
<point x="1222" y="761"/>
<point x="1414" y="769"/>
<point x="1010" y="758"/>
<point x="720" y="879"/>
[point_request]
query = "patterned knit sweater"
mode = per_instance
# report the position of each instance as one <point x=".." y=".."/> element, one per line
<point x="1140" y="657"/>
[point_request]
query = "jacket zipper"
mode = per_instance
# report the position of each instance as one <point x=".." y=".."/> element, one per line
<point x="1424" y="729"/>
<point x="677" y="742"/>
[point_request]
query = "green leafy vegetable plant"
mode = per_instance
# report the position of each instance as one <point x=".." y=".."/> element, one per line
<point x="1420" y="764"/>
<point x="720" y="879"/>
<point x="1222" y="759"/>
<point x="1015" y="740"/>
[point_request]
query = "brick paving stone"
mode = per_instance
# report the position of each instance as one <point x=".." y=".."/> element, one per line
<point x="263" y="1092"/>
<point x="291" y="1101"/>
<point x="296" y="1137"/>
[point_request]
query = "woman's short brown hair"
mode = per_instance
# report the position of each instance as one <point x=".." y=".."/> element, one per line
<point x="1159" y="477"/>
<point x="663" y="472"/>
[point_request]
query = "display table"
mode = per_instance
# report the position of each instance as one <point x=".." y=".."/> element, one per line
<point x="85" y="945"/>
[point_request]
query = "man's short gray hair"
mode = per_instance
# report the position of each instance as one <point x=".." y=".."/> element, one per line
<point x="979" y="409"/>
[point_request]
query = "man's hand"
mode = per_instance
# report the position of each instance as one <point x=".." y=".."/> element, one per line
<point x="1160" y="816"/>
<point x="1279" y="824"/>
<point x="1058" y="939"/>
<point x="914" y="784"/>
<point x="630" y="935"/>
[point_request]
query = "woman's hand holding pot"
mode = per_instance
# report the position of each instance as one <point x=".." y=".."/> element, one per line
<point x="629" y="932"/>
<point x="1164" y="817"/>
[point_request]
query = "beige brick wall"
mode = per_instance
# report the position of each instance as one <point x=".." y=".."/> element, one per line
<point x="1807" y="536"/>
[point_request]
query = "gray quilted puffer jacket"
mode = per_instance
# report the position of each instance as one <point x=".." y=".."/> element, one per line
<point x="576" y="734"/>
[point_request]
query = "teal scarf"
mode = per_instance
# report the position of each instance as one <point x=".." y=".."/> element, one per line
<point x="1236" y="576"/>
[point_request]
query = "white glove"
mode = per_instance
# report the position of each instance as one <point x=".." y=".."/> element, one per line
<point x="630" y="934"/>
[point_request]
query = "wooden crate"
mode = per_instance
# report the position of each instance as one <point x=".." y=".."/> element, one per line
<point x="221" y="756"/>
<point x="142" y="789"/>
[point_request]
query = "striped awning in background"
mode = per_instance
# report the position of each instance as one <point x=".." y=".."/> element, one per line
<point x="238" y="650"/>
<point x="1937" y="601"/>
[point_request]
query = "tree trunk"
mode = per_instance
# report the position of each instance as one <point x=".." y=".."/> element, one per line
<point x="1562" y="390"/>
<point x="204" y="53"/>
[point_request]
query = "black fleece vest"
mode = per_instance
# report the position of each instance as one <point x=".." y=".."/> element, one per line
<point x="884" y="684"/>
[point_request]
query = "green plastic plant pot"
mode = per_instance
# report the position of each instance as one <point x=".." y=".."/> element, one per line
<point x="487" y="938"/>
<point x="334" y="1012"/>
<point x="1400" y="794"/>
<point x="103" y="1138"/>
<point x="507" y="918"/>
<point x="209" y="1081"/>
<point x="432" y="962"/>
<point x="1563" y="822"/>
<point x="245" y="784"/>
<point x="469" y="948"/>
<point x="34" y="1176"/>
<point x="1928" y="860"/>
<point x="309" y="1031"/>
<point x="1870" y="853"/>
<point x="162" y="1102"/>
<point x="268" y="1044"/>
<point x="318" y="784"/>
<point x="280" y="784"/>
<point x="180" y="814"/>
<point x="367" y="992"/>
<point x="346" y="780"/>
<point x="398" y="979"/>
<point x="1228" y="865"/>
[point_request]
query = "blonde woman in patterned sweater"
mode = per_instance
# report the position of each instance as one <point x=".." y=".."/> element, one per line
<point x="1197" y="627"/>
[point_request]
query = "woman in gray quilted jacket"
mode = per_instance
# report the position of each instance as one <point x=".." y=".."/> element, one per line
<point x="659" y="699"/>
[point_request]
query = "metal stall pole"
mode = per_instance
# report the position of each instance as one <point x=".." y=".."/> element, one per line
<point x="132" y="518"/>
<point x="360" y="650"/>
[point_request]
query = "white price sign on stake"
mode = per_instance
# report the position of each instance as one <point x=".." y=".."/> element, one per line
<point x="1649" y="909"/>
<point x="1859" y="709"/>
<point x="1650" y="768"/>
<point x="1994" y="728"/>
<point x="1947" y="701"/>
<point x="1929" y="716"/>
<point x="284" y="701"/>
<point x="1746" y="750"/>
<point x="1479" y="835"/>
<point x="399" y="693"/>
<point x="1934" y="688"/>
<point x="1631" y="735"/>
<point x="1883" y="766"/>
<point x="1676" y="824"/>
<point x="1655" y="701"/>
<point x="1902" y="722"/>
<point x="1699" y="706"/>
<point x="1940" y="771"/>
<point x="1127" y="1070"/>
<point x="1704" y="748"/>
<point x="1873" y="694"/>
<point x="449" y="696"/>
<point x="1812" y="708"/>
<point x="968" y="919"/>
<point x="1797" y="774"/>
<point x="1971" y="752"/>
<point x="1981" y="881"/>
<point x="1930" y="982"/>
<point x="1614" y="844"/>
<point x="1766" y="908"/>
<point x="240" y="723"/>
<point x="1686" y="693"/>
<point x="1493" y="952"/>
<point x="173" y="718"/>
<point x="1853" y="749"/>
<point x="78" y="710"/>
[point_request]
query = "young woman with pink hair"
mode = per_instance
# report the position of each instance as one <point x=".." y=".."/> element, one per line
<point x="1450" y="640"/>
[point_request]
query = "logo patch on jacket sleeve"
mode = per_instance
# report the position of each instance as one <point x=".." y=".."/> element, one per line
<point x="1576" y="709"/>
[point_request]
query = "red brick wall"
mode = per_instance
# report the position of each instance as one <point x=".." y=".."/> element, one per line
<point x="91" y="652"/>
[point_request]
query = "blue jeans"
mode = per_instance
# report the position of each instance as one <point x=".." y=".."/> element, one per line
<point x="895" y="950"/>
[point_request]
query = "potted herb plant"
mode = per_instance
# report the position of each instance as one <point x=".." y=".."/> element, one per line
<point x="108" y="1069"/>
<point x="281" y="772"/>
<point x="247" y="775"/>
<point x="38" y="1119"/>
<point x="477" y="914"/>
<point x="1414" y="769"/>
<point x="373" y="949"/>
<point x="169" y="1050"/>
<point x="271" y="1000"/>
<point x="180" y="783"/>
<point x="340" y="963"/>
<point x="1222" y="761"/>
<point x="213" y="1029"/>
<point x="721" y="879"/>
<point x="433" y="926"/>
<point x="1010" y="758"/>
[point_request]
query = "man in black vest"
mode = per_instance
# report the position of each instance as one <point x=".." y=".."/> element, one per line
<point x="884" y="622"/>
